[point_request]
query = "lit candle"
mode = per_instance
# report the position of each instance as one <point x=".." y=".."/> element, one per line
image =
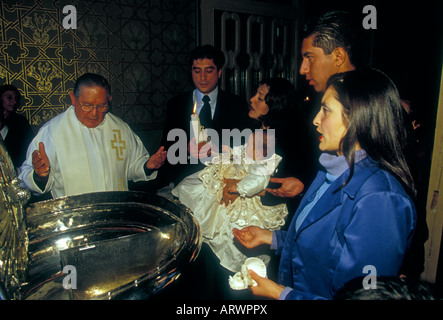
<point x="195" y="125"/>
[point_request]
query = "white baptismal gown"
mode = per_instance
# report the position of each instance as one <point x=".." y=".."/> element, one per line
<point x="202" y="192"/>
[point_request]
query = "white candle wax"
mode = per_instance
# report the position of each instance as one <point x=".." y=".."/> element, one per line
<point x="196" y="127"/>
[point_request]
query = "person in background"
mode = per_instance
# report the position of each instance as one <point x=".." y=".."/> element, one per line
<point x="15" y="129"/>
<point x="413" y="264"/>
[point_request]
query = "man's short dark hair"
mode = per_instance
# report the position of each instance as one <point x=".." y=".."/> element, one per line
<point x="209" y="52"/>
<point x="332" y="30"/>
<point x="91" y="80"/>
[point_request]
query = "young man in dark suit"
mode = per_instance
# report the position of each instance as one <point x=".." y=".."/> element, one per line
<point x="224" y="111"/>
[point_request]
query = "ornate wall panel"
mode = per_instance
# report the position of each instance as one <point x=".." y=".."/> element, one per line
<point x="256" y="47"/>
<point x="139" y="46"/>
<point x="258" y="37"/>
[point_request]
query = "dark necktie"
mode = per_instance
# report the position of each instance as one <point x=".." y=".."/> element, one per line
<point x="205" y="113"/>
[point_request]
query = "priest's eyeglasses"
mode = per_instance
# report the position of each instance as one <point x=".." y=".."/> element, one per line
<point x="99" y="107"/>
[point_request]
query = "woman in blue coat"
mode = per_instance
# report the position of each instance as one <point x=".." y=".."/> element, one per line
<point x="358" y="213"/>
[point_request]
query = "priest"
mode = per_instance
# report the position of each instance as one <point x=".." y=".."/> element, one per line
<point x="86" y="148"/>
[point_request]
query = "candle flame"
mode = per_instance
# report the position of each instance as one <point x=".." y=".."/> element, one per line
<point x="195" y="107"/>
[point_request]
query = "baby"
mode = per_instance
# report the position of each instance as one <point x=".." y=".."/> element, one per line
<point x="260" y="146"/>
<point x="226" y="195"/>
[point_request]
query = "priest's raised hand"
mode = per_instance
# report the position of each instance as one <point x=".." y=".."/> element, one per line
<point x="157" y="159"/>
<point x="40" y="162"/>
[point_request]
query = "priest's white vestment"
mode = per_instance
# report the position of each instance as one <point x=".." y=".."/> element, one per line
<point x="84" y="160"/>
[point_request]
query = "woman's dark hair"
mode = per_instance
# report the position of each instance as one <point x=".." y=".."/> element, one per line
<point x="280" y="99"/>
<point x="10" y="87"/>
<point x="375" y="120"/>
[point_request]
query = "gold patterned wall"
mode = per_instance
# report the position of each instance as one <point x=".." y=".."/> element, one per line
<point x="139" y="46"/>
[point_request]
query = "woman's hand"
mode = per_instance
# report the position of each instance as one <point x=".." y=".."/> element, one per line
<point x="252" y="236"/>
<point x="199" y="150"/>
<point x="265" y="287"/>
<point x="290" y="187"/>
